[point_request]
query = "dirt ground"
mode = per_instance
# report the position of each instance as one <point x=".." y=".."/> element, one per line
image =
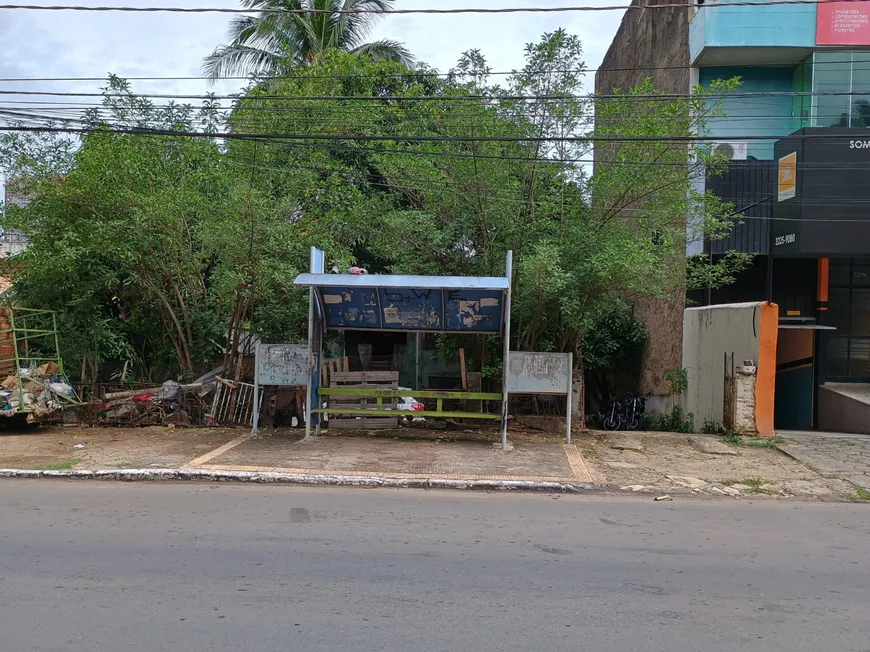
<point x="57" y="447"/>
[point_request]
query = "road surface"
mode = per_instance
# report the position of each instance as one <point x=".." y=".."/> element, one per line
<point x="233" y="568"/>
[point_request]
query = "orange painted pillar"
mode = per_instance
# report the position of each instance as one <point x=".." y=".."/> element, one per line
<point x="824" y="272"/>
<point x="765" y="380"/>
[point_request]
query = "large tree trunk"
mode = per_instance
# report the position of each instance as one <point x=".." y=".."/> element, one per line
<point x="578" y="390"/>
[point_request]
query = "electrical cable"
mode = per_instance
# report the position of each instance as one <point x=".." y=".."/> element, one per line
<point x="387" y="12"/>
<point x="409" y="73"/>
<point x="653" y="97"/>
<point x="410" y="137"/>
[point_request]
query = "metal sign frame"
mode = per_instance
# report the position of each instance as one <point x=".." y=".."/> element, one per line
<point x="537" y="382"/>
<point x="284" y="381"/>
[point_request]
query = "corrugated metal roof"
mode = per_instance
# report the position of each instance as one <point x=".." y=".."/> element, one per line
<point x="396" y="282"/>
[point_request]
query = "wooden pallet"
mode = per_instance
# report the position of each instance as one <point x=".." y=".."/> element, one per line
<point x="332" y="366"/>
<point x="363" y="380"/>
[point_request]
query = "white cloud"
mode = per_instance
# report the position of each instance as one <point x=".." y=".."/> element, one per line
<point x="89" y="44"/>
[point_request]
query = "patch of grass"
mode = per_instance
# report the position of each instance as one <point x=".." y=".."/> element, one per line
<point x="755" y="483"/>
<point x="713" y="428"/>
<point x="733" y="438"/>
<point x="861" y="494"/>
<point x="763" y="442"/>
<point x="66" y="465"/>
<point x="750" y="441"/>
<point x="676" y="421"/>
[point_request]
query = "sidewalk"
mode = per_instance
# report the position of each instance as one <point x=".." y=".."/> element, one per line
<point x="831" y="454"/>
<point x="653" y="463"/>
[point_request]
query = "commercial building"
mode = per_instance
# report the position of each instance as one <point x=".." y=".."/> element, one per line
<point x="798" y="135"/>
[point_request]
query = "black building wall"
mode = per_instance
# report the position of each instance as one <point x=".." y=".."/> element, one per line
<point x="829" y="214"/>
<point x="750" y="186"/>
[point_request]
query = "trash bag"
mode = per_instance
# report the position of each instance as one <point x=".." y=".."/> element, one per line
<point x="169" y="391"/>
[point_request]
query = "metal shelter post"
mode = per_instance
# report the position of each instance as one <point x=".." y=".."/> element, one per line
<point x="256" y="424"/>
<point x="506" y="340"/>
<point x="418" y="341"/>
<point x="316" y="262"/>
<point x="319" y="267"/>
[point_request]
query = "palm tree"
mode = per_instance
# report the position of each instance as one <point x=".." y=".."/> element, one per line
<point x="270" y="41"/>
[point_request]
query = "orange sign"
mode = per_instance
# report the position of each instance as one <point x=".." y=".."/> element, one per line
<point x="787" y="176"/>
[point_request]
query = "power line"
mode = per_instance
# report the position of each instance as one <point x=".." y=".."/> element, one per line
<point x="140" y="131"/>
<point x="467" y="10"/>
<point x="409" y="73"/>
<point x="652" y="97"/>
<point x="385" y="138"/>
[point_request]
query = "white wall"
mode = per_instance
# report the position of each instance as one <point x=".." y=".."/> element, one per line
<point x="708" y="334"/>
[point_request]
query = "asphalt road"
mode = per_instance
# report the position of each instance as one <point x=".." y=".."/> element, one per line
<point x="177" y="568"/>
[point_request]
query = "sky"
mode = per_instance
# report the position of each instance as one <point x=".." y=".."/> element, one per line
<point x="37" y="44"/>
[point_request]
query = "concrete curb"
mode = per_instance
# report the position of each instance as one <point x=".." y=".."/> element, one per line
<point x="311" y="479"/>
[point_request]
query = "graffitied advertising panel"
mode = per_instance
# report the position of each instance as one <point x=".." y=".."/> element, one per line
<point x="413" y="309"/>
<point x="282" y="364"/>
<point x="843" y="23"/>
<point x="539" y="373"/>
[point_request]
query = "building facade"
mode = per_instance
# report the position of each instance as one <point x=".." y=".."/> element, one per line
<point x="12" y="241"/>
<point x="798" y="135"/>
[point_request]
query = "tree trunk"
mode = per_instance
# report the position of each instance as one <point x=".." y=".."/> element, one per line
<point x="578" y="390"/>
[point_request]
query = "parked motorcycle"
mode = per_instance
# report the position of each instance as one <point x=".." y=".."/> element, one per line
<point x="635" y="407"/>
<point x="626" y="414"/>
<point x="611" y="417"/>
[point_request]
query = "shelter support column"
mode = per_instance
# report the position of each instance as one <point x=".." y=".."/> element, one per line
<point x="506" y="339"/>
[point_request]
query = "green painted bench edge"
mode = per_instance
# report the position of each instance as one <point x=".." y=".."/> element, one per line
<point x="399" y="393"/>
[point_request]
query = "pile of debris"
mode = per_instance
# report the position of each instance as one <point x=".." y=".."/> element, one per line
<point x="37" y="392"/>
<point x="170" y="403"/>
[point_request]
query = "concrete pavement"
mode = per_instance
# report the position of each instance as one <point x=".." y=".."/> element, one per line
<point x="833" y="455"/>
<point x="640" y="461"/>
<point x="242" y="568"/>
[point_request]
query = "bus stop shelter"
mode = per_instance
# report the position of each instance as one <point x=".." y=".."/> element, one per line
<point x="410" y="304"/>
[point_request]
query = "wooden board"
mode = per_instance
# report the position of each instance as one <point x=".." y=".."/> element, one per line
<point x="363" y="380"/>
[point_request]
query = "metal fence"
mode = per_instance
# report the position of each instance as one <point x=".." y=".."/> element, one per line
<point x="233" y="403"/>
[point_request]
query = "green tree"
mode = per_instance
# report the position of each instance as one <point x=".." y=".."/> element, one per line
<point x="401" y="170"/>
<point x="276" y="42"/>
<point x="151" y="247"/>
<point x="432" y="199"/>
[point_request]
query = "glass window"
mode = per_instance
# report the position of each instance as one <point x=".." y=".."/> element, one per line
<point x="860" y="313"/>
<point x="837" y="357"/>
<point x="860" y="114"/>
<point x="838" y="309"/>
<point x="838" y="272"/>
<point x="802" y="104"/>
<point x="832" y="73"/>
<point x="859" y="358"/>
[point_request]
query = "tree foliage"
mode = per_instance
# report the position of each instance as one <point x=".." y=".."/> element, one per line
<point x="273" y="42"/>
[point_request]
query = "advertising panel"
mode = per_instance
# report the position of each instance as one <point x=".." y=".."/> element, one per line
<point x="787" y="177"/>
<point x="843" y="23"/>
